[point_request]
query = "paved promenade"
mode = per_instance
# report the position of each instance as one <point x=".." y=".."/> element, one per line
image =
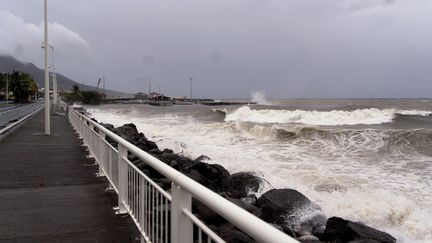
<point x="48" y="191"/>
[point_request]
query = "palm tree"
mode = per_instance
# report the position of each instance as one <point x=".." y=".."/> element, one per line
<point x="76" y="93"/>
<point x="23" y="86"/>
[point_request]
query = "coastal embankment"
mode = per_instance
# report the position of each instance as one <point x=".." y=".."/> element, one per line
<point x="285" y="208"/>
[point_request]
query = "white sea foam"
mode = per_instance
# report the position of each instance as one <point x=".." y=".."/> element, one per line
<point x="346" y="180"/>
<point x="327" y="118"/>
<point x="414" y="112"/>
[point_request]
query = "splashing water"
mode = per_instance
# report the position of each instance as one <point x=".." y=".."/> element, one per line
<point x="260" y="98"/>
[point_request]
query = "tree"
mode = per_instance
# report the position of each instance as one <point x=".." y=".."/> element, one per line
<point x="23" y="86"/>
<point x="76" y="93"/>
<point x="91" y="97"/>
<point x="3" y="78"/>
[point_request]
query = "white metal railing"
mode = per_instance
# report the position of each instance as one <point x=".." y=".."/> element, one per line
<point x="163" y="216"/>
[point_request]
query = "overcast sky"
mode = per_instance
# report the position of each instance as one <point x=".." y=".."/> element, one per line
<point x="287" y="48"/>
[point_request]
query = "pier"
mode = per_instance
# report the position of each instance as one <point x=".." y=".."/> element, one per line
<point x="49" y="191"/>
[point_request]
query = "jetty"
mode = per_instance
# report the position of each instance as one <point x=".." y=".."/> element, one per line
<point x="78" y="185"/>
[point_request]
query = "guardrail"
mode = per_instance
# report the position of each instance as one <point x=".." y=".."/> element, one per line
<point x="163" y="216"/>
<point x="19" y="120"/>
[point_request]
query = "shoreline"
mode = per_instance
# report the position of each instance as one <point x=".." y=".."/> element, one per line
<point x="300" y="218"/>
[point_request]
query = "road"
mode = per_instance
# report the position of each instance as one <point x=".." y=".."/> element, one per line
<point x="12" y="113"/>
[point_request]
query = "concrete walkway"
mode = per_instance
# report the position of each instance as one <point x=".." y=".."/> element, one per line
<point x="48" y="190"/>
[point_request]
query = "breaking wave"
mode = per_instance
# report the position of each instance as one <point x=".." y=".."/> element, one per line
<point x="404" y="142"/>
<point x="368" y="116"/>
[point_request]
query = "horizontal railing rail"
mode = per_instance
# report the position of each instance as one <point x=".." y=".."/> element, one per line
<point x="163" y="216"/>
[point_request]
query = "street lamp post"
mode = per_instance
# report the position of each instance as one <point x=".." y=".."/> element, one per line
<point x="53" y="74"/>
<point x="191" y="78"/>
<point x="7" y="88"/>
<point x="54" y="77"/>
<point x="47" y="98"/>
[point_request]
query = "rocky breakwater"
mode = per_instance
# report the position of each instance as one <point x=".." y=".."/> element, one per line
<point x="286" y="209"/>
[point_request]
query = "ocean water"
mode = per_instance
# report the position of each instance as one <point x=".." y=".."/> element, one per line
<point x="363" y="160"/>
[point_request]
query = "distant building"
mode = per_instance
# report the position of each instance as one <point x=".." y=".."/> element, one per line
<point x="158" y="97"/>
<point x="140" y="95"/>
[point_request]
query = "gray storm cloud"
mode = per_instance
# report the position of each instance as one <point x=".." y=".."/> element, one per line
<point x="287" y="48"/>
<point x="23" y="40"/>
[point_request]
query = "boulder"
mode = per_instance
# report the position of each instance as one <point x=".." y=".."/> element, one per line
<point x="202" y="158"/>
<point x="245" y="182"/>
<point x="108" y="126"/>
<point x="338" y="229"/>
<point x="206" y="214"/>
<point x="232" y="235"/>
<point x="127" y="131"/>
<point x="308" y="239"/>
<point x="213" y="176"/>
<point x="248" y="207"/>
<point x="154" y="151"/>
<point x="281" y="206"/>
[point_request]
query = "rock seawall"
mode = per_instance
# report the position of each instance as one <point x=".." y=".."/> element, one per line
<point x="286" y="209"/>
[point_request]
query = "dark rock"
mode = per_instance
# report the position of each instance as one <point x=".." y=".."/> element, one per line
<point x="206" y="214"/>
<point x="167" y="157"/>
<point x="149" y="171"/>
<point x="308" y="239"/>
<point x="251" y="200"/>
<point x="108" y="126"/>
<point x="132" y="157"/>
<point x="288" y="230"/>
<point x="317" y="221"/>
<point x="167" y="151"/>
<point x="127" y="131"/>
<point x="164" y="183"/>
<point x="276" y="226"/>
<point x="347" y="231"/>
<point x="236" y="194"/>
<point x="284" y="205"/>
<point x="248" y="207"/>
<point x="155" y="151"/>
<point x="201" y="158"/>
<point x="245" y="182"/>
<point x="213" y="176"/>
<point x="233" y="235"/>
<point x="301" y="230"/>
<point x="151" y="145"/>
<point x="364" y="241"/>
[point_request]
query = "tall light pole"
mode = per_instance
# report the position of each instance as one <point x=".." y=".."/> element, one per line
<point x="7" y="88"/>
<point x="54" y="77"/>
<point x="47" y="98"/>
<point x="191" y="78"/>
<point x="53" y="74"/>
<point x="149" y="86"/>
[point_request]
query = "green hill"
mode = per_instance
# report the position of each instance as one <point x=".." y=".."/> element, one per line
<point x="8" y="64"/>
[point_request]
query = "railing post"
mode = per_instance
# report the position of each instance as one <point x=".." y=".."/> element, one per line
<point x="101" y="155"/>
<point x="181" y="226"/>
<point x="91" y="144"/>
<point x="122" y="176"/>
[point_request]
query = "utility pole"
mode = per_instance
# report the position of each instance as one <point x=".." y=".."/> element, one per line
<point x="103" y="85"/>
<point x="149" y="87"/>
<point x="54" y="77"/>
<point x="191" y="78"/>
<point x="47" y="97"/>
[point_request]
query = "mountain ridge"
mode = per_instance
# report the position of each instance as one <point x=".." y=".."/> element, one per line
<point x="9" y="64"/>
